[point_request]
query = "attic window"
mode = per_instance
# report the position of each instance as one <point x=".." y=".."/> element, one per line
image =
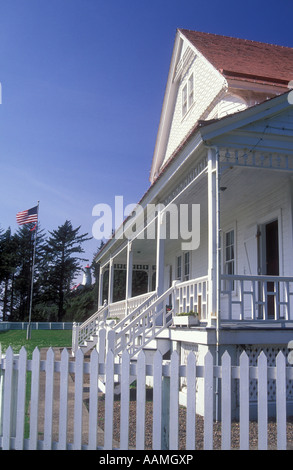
<point x="184" y="100"/>
<point x="187" y="95"/>
<point x="190" y="91"/>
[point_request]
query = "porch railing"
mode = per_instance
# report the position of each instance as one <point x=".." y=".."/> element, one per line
<point x="256" y="298"/>
<point x="83" y="332"/>
<point x="124" y="307"/>
<point x="141" y="326"/>
<point x="192" y="295"/>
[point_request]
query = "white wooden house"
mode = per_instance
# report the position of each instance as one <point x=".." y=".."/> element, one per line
<point x="224" y="152"/>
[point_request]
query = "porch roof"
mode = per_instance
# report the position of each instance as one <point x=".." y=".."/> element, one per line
<point x="204" y="133"/>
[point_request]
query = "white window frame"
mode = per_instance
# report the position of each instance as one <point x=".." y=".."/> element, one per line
<point x="186" y="272"/>
<point x="188" y="95"/>
<point x="179" y="267"/>
<point x="184" y="100"/>
<point x="228" y="230"/>
<point x="190" y="91"/>
<point x="183" y="268"/>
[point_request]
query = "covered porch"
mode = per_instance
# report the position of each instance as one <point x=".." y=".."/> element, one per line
<point x="229" y="278"/>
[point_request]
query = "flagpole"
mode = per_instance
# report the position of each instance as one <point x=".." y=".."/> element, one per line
<point x="28" y="333"/>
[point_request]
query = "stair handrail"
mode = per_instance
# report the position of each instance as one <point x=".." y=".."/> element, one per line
<point x="114" y="335"/>
<point x="135" y="313"/>
<point x="83" y="332"/>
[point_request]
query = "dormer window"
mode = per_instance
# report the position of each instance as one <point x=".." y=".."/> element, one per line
<point x="187" y="95"/>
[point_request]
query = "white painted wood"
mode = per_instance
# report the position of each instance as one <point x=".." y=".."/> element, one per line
<point x="160" y="262"/>
<point x="8" y="393"/>
<point x="165" y="400"/>
<point x="124" y="419"/>
<point x="34" y="405"/>
<point x="244" y="401"/>
<point x="129" y="262"/>
<point x="101" y="282"/>
<point x="281" y="401"/>
<point x="140" y="401"/>
<point x="262" y="402"/>
<point x="191" y="401"/>
<point x="208" y="401"/>
<point x="212" y="233"/>
<point x="21" y="392"/>
<point x="93" y="400"/>
<point x="78" y="403"/>
<point x="49" y="397"/>
<point x="157" y="400"/>
<point x="111" y="281"/>
<point x="174" y="404"/>
<point x="226" y="401"/>
<point x="108" y="436"/>
<point x="63" y="410"/>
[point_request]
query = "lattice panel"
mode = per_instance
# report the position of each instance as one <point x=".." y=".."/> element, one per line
<point x="271" y="352"/>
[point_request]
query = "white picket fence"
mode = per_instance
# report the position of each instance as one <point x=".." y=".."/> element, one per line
<point x="53" y="382"/>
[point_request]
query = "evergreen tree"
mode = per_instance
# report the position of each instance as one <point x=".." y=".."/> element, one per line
<point x="25" y="239"/>
<point x="63" y="247"/>
<point x="8" y="266"/>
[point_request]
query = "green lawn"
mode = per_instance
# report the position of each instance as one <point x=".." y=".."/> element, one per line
<point x="39" y="338"/>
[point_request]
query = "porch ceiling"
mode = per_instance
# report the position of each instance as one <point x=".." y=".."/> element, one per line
<point x="242" y="186"/>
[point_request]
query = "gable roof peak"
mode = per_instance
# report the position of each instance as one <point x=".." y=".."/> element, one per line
<point x="235" y="57"/>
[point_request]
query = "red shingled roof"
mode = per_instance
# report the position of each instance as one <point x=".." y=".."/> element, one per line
<point x="244" y="59"/>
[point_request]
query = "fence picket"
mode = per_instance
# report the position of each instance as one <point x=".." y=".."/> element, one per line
<point x="208" y="401"/>
<point x="244" y="401"/>
<point x="93" y="400"/>
<point x="281" y="401"/>
<point x="262" y="402"/>
<point x="49" y="397"/>
<point x="7" y="411"/>
<point x="21" y="389"/>
<point x="140" y="401"/>
<point x="63" y="409"/>
<point x="124" y="420"/>
<point x="191" y="401"/>
<point x="174" y="402"/>
<point x="34" y="405"/>
<point x="157" y="400"/>
<point x="166" y="380"/>
<point x="78" y="404"/>
<point x="102" y="344"/>
<point x="226" y="401"/>
<point x="108" y="437"/>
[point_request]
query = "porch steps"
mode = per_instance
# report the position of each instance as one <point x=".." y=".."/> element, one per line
<point x="161" y="344"/>
<point x="89" y="344"/>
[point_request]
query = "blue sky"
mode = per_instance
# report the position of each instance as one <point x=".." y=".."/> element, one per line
<point x="82" y="88"/>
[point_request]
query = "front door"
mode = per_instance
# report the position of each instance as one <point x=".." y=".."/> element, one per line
<point x="269" y="260"/>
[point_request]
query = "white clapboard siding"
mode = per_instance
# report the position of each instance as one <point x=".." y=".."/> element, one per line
<point x="166" y="375"/>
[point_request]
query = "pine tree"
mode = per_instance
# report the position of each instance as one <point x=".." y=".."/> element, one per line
<point x="24" y="239"/>
<point x="8" y="264"/>
<point x="63" y="247"/>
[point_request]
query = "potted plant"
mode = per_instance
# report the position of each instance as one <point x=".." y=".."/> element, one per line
<point x="186" y="319"/>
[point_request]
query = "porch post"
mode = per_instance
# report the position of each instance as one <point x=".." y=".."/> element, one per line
<point x="129" y="273"/>
<point x="101" y="279"/>
<point x="111" y="281"/>
<point x="150" y="275"/>
<point x="160" y="262"/>
<point x="213" y="234"/>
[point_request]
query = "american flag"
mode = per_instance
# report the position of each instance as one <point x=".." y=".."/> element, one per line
<point x="28" y="216"/>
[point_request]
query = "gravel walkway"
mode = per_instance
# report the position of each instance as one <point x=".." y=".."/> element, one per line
<point x="253" y="431"/>
<point x="272" y="428"/>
